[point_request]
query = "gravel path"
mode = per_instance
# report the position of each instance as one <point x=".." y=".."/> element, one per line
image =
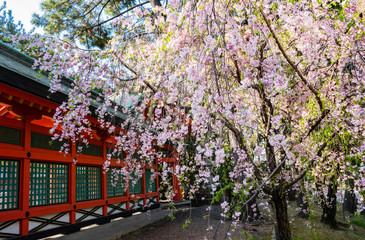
<point x="201" y="219"/>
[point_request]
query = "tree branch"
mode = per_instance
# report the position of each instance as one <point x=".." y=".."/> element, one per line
<point x="291" y="63"/>
<point x="128" y="79"/>
<point x="321" y="148"/>
<point x="289" y="185"/>
<point x="262" y="184"/>
<point x="100" y="12"/>
<point x="118" y="15"/>
<point x="241" y="145"/>
<point x="154" y="90"/>
<point x="319" y="120"/>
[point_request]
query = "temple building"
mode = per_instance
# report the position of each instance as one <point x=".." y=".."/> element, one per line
<point x="42" y="191"/>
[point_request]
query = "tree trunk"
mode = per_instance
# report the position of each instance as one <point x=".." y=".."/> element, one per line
<point x="349" y="202"/>
<point x="282" y="219"/>
<point x="329" y="206"/>
<point x="303" y="205"/>
<point x="251" y="211"/>
<point x="292" y="194"/>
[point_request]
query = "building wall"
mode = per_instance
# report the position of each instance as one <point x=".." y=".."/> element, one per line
<point x="43" y="191"/>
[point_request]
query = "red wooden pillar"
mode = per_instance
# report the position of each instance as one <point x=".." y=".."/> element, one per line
<point x="175" y="181"/>
<point x="104" y="188"/>
<point x="72" y="184"/>
<point x="144" y="187"/>
<point x="128" y="203"/>
<point x="25" y="178"/>
<point x="157" y="185"/>
<point x="24" y="197"/>
<point x="104" y="192"/>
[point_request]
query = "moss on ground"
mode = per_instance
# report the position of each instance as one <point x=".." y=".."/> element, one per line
<point x="358" y="221"/>
<point x="303" y="229"/>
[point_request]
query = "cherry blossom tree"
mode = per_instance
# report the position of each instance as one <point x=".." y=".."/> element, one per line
<point x="257" y="83"/>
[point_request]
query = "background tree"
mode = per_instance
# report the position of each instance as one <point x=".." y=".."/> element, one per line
<point x="8" y="26"/>
<point x="88" y="22"/>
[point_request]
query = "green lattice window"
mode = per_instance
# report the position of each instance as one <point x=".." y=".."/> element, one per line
<point x="48" y="183"/>
<point x="119" y="155"/>
<point x="136" y="188"/>
<point x="9" y="184"/>
<point x="115" y="185"/>
<point x="150" y="185"/>
<point x="167" y="153"/>
<point x="46" y="142"/>
<point x="10" y="135"/>
<point x="89" y="149"/>
<point x="136" y="156"/>
<point x="88" y="183"/>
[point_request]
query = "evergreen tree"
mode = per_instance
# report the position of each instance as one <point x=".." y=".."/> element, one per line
<point x="8" y="26"/>
<point x="89" y="22"/>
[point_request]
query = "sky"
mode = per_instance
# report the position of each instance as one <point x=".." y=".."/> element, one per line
<point x="23" y="10"/>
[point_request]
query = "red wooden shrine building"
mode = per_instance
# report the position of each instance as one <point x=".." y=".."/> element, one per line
<point x="42" y="191"/>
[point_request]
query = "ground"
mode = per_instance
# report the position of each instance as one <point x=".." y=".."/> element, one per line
<point x="352" y="228"/>
<point x="201" y="219"/>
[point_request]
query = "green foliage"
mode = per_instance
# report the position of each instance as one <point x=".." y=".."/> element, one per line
<point x="186" y="224"/>
<point x="358" y="222"/>
<point x="74" y="19"/>
<point x="313" y="228"/>
<point x="171" y="216"/>
<point x="8" y="26"/>
<point x="246" y="235"/>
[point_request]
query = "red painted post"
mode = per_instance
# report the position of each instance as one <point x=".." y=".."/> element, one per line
<point x="72" y="184"/>
<point x="175" y="181"/>
<point x="25" y="178"/>
<point x="128" y="203"/>
<point x="104" y="192"/>
<point x="104" y="188"/>
<point x="144" y="188"/>
<point x="24" y="195"/>
<point x="157" y="186"/>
